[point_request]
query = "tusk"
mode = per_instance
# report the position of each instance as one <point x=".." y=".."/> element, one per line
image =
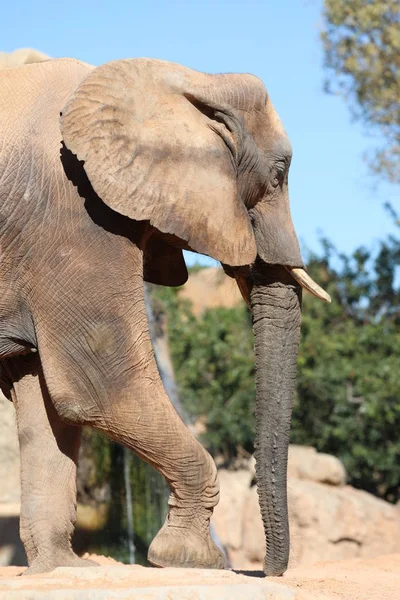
<point x="309" y="284"/>
<point x="245" y="286"/>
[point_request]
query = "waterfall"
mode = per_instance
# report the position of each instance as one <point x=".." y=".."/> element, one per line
<point x="129" y="505"/>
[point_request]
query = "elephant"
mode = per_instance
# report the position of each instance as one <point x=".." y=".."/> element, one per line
<point x="21" y="56"/>
<point x="106" y="175"/>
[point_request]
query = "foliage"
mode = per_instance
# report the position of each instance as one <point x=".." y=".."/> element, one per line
<point x="348" y="393"/>
<point x="348" y="399"/>
<point x="362" y="49"/>
<point x="348" y="388"/>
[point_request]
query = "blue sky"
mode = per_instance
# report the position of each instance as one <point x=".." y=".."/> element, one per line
<point x="331" y="190"/>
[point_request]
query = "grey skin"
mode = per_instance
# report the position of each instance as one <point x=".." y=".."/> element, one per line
<point x="148" y="158"/>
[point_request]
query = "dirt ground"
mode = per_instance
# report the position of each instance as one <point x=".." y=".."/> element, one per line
<point x="373" y="579"/>
<point x="356" y="579"/>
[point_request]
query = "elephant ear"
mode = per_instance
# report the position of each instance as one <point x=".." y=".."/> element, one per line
<point x="155" y="149"/>
<point x="163" y="264"/>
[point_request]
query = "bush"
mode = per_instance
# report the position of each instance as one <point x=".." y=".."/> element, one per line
<point x="348" y="391"/>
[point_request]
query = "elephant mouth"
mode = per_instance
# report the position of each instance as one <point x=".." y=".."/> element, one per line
<point x="245" y="284"/>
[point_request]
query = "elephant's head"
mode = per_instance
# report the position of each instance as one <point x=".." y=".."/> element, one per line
<point x="205" y="160"/>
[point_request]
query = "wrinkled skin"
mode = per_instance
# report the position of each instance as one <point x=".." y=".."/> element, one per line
<point x="149" y="158"/>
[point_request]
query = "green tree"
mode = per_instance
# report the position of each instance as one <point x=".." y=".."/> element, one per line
<point x="348" y="392"/>
<point x="349" y="380"/>
<point x="348" y="389"/>
<point x="362" y="51"/>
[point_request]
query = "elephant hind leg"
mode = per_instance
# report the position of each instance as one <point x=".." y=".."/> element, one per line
<point x="49" y="450"/>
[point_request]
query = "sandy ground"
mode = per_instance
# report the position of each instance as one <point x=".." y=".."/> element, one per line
<point x="356" y="579"/>
<point x="373" y="579"/>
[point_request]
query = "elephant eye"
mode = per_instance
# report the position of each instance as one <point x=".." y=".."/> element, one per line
<point x="278" y="175"/>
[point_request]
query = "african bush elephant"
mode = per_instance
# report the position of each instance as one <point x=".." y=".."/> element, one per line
<point x="147" y="158"/>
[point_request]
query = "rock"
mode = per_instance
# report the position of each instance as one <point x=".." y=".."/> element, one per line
<point x="141" y="583"/>
<point x="226" y="517"/>
<point x="376" y="579"/>
<point x="327" y="522"/>
<point x="11" y="549"/>
<point x="9" y="454"/>
<point x="210" y="288"/>
<point x="357" y="579"/>
<point x="92" y="518"/>
<point x="306" y="463"/>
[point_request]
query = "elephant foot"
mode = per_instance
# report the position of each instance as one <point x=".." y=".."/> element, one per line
<point x="184" y="547"/>
<point x="49" y="563"/>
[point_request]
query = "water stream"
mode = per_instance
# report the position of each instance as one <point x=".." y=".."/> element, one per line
<point x="129" y="505"/>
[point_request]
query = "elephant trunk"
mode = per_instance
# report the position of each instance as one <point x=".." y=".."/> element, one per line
<point x="276" y="305"/>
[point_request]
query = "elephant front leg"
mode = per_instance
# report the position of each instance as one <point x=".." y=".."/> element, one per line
<point x="144" y="420"/>
<point x="149" y="426"/>
<point x="100" y="370"/>
<point x="184" y="540"/>
<point x="49" y="450"/>
<point x="132" y="407"/>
